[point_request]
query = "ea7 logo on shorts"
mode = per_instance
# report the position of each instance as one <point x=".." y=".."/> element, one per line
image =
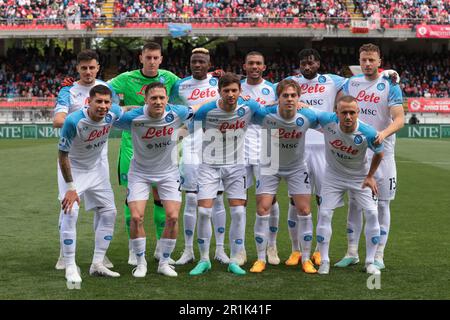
<point x="259" y="239"/>
<point x="108" y="118"/>
<point x="381" y="86"/>
<point x="265" y="91"/>
<point x="358" y="139"/>
<point x="322" y="79"/>
<point x="169" y="118"/>
<point x="241" y="112"/>
<point x="213" y="82"/>
<point x="300" y="121"/>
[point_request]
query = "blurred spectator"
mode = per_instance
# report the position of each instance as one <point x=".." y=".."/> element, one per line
<point x="413" y="119"/>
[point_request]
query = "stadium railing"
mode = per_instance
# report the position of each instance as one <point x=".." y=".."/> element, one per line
<point x="208" y="22"/>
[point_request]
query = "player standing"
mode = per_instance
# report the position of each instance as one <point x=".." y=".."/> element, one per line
<point x="131" y="85"/>
<point x="154" y="132"/>
<point x="224" y="122"/>
<point x="347" y="140"/>
<point x="290" y="125"/>
<point x="84" y="175"/>
<point x="318" y="91"/>
<point x="199" y="88"/>
<point x="381" y="104"/>
<point x="262" y="91"/>
<point x="72" y="98"/>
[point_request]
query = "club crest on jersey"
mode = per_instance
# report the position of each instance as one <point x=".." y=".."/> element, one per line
<point x="162" y="79"/>
<point x="358" y="139"/>
<point x="265" y="91"/>
<point x="300" y="121"/>
<point x="241" y="112"/>
<point x="381" y="86"/>
<point x="322" y="79"/>
<point x="169" y="117"/>
<point x="213" y="82"/>
<point x="108" y="118"/>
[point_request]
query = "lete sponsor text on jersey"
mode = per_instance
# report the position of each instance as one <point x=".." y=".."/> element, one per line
<point x="201" y="94"/>
<point x="238" y="124"/>
<point x="287" y="134"/>
<point x="339" y="145"/>
<point x="157" y="133"/>
<point x="95" y="134"/>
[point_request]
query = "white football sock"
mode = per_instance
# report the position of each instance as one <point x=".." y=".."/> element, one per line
<point x="204" y="232"/>
<point x="324" y="233"/>
<point x="274" y="221"/>
<point x="167" y="247"/>
<point x="139" y="246"/>
<point x="61" y="214"/>
<point x="130" y="244"/>
<point x="189" y="218"/>
<point x="68" y="234"/>
<point x="372" y="231"/>
<point x="354" y="227"/>
<point x="306" y="235"/>
<point x="384" y="219"/>
<point x="103" y="232"/>
<point x="219" y="220"/>
<point x="261" y="230"/>
<point x="293" y="227"/>
<point x="237" y="230"/>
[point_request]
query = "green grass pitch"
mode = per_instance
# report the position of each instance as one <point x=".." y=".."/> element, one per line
<point x="417" y="256"/>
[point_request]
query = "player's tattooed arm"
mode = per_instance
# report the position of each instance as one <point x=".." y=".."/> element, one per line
<point x="71" y="195"/>
<point x="64" y="164"/>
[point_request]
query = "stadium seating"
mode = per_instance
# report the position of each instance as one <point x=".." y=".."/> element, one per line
<point x="29" y="73"/>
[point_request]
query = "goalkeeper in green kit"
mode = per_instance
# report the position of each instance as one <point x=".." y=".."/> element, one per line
<point x="130" y="86"/>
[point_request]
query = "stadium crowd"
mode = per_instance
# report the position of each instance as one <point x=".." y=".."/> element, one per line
<point x="237" y="10"/>
<point x="29" y="73"/>
<point x="406" y="11"/>
<point x="48" y="11"/>
<point x="329" y="12"/>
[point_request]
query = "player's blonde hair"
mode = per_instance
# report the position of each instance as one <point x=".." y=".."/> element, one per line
<point x="200" y="50"/>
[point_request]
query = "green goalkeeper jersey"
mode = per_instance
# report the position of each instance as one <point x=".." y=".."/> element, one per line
<point x="130" y="87"/>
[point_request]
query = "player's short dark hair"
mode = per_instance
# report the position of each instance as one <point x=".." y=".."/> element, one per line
<point x="305" y="53"/>
<point x="347" y="98"/>
<point x="87" y="55"/>
<point x="283" y="84"/>
<point x="152" y="46"/>
<point x="254" y="53"/>
<point x="229" y="78"/>
<point x="153" y="86"/>
<point x="370" y="47"/>
<point x="100" y="89"/>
